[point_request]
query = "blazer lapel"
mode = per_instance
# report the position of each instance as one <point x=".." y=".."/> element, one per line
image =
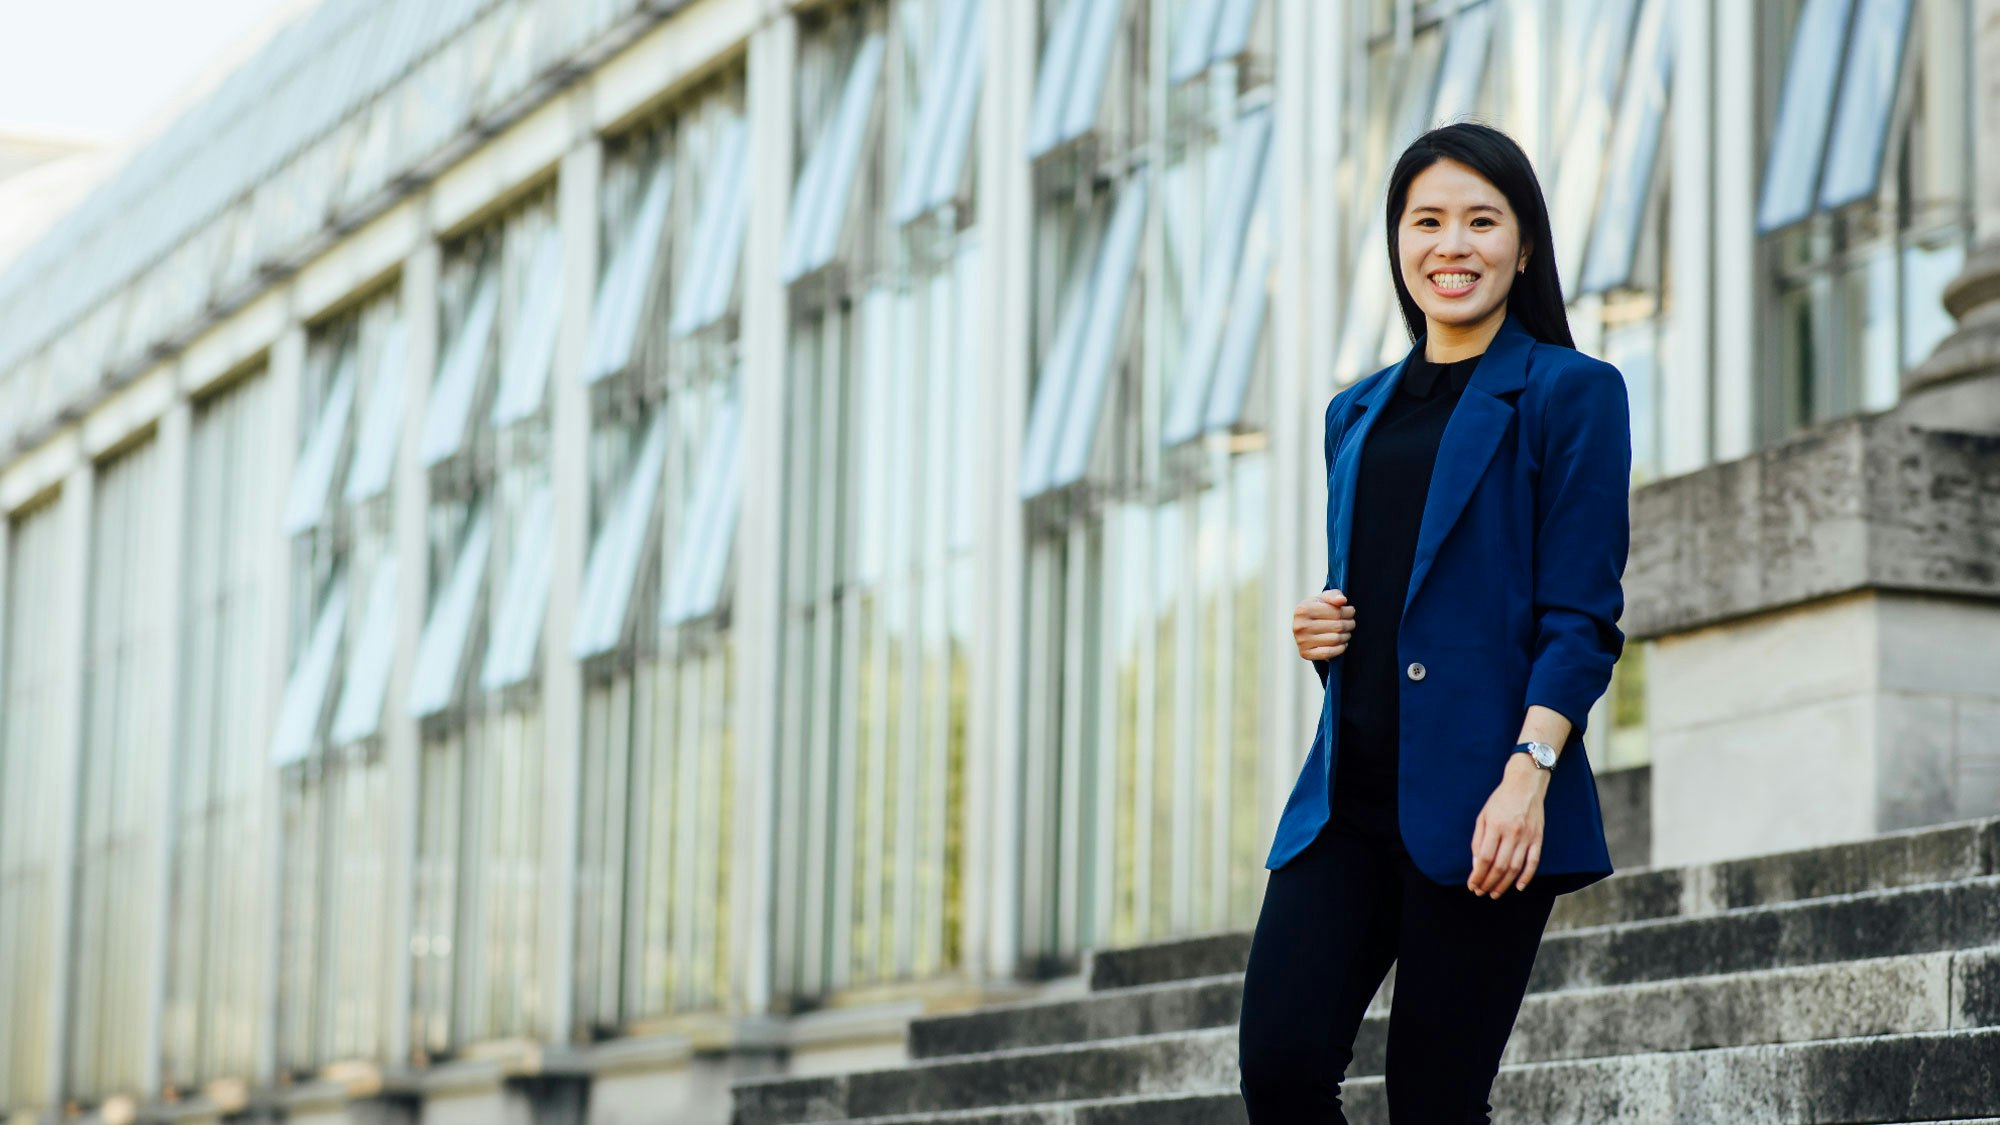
<point x="1469" y="441"/>
<point x="1347" y="471"/>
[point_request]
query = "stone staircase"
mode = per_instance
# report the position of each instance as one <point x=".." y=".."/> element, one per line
<point x="1846" y="984"/>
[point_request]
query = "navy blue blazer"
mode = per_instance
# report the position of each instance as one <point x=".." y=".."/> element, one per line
<point x="1514" y="598"/>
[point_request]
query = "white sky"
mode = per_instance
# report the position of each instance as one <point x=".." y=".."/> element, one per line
<point x="104" y="70"/>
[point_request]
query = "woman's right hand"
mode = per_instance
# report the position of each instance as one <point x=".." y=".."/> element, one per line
<point x="1322" y="625"/>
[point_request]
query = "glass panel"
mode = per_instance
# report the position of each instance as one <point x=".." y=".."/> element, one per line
<point x="517" y="630"/>
<point x="1587" y="132"/>
<point x="709" y="283"/>
<point x="1192" y="44"/>
<point x="366" y="683"/>
<point x="950" y="62"/>
<point x="1232" y="29"/>
<point x="1868" y="328"/>
<point x="434" y="683"/>
<point x="382" y="424"/>
<point x="1371" y="295"/>
<point x="1791" y="172"/>
<point x="1222" y="260"/>
<point x="1097" y="354"/>
<point x="1054" y="382"/>
<point x="30" y="874"/>
<point x="1635" y="151"/>
<point x="1053" y="77"/>
<point x="524" y="374"/>
<point x="621" y="300"/>
<point x="613" y="570"/>
<point x="1237" y="361"/>
<point x="445" y="423"/>
<point x="112" y="929"/>
<point x="955" y="140"/>
<point x="1093" y="62"/>
<point x="820" y="203"/>
<point x="1868" y="85"/>
<point x="213" y="1021"/>
<point x="701" y="561"/>
<point x="300" y="712"/>
<point x="1926" y="323"/>
<point x="1632" y="349"/>
<point x="319" y="462"/>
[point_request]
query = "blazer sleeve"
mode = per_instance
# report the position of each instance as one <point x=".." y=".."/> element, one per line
<point x="1582" y="532"/>
<point x="1332" y="430"/>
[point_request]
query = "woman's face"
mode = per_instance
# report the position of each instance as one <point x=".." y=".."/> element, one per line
<point x="1459" y="246"/>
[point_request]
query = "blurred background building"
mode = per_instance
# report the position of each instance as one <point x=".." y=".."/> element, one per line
<point x="559" y="548"/>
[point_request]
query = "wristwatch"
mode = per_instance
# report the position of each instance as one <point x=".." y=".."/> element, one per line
<point x="1543" y="754"/>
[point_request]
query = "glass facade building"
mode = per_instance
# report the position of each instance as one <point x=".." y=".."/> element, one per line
<point x="635" y="533"/>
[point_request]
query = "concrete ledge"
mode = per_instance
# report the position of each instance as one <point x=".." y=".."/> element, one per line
<point x="1864" y="503"/>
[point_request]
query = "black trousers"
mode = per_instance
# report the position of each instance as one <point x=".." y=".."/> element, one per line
<point x="1333" y="920"/>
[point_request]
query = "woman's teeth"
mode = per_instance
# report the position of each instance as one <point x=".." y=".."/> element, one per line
<point x="1454" y="280"/>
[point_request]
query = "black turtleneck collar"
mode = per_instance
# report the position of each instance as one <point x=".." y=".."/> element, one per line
<point x="1421" y="378"/>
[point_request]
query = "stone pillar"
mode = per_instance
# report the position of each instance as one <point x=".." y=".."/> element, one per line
<point x="577" y="181"/>
<point x="759" y="598"/>
<point x="1825" y="615"/>
<point x="1958" y="387"/>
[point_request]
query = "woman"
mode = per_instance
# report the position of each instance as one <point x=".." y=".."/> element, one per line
<point x="1476" y="534"/>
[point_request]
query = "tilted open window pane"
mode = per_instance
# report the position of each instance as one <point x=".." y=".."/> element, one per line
<point x="517" y="632"/>
<point x="434" y="683"/>
<point x="954" y="146"/>
<point x="1370" y="294"/>
<point x="934" y="162"/>
<point x="701" y="558"/>
<point x="524" y="370"/>
<point x="304" y="701"/>
<point x="1097" y="353"/>
<point x="382" y="423"/>
<point x="1237" y="359"/>
<point x="1053" y="77"/>
<point x="312" y="480"/>
<point x="1069" y="85"/>
<point x="447" y="420"/>
<point x="621" y="298"/>
<point x="820" y="202"/>
<point x="708" y="284"/>
<point x="1587" y="135"/>
<point x="1635" y="153"/>
<point x="1057" y="376"/>
<point x="366" y="683"/>
<point x="1868" y="86"/>
<point x="1191" y="49"/>
<point x="1221" y="262"/>
<point x="613" y="570"/>
<point x="1805" y="105"/>
<point x="1215" y="31"/>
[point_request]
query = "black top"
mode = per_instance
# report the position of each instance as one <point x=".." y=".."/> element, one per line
<point x="1396" y="462"/>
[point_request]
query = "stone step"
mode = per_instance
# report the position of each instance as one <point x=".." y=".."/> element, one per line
<point x="1953" y="852"/>
<point x="1935" y="854"/>
<point x="1874" y="923"/>
<point x="1929" y="1076"/>
<point x="1922" y="992"/>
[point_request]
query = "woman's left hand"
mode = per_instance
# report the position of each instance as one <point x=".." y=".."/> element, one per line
<point x="1507" y="838"/>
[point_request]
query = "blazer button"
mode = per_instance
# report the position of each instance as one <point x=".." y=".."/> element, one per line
<point x="1416" y="671"/>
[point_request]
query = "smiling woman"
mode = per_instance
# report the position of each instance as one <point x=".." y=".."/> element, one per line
<point x="1476" y="533"/>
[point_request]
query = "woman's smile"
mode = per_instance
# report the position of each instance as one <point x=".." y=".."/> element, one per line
<point x="1453" y="283"/>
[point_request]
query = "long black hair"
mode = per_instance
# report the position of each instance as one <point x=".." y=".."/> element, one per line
<point x="1536" y="297"/>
